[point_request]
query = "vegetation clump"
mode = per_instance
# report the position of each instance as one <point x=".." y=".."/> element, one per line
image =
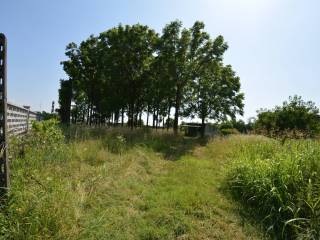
<point x="131" y="70"/>
<point x="95" y="185"/>
<point x="95" y="181"/>
<point x="294" y="119"/>
<point x="279" y="184"/>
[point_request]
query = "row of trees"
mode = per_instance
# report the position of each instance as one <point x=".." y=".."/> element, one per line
<point x="128" y="71"/>
<point x="295" y="118"/>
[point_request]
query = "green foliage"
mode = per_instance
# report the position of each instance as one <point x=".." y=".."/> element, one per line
<point x="115" y="144"/>
<point x="229" y="131"/>
<point x="65" y="97"/>
<point x="46" y="141"/>
<point x="239" y="125"/>
<point x="226" y="124"/>
<point x="215" y="93"/>
<point x="45" y="134"/>
<point x="169" y="122"/>
<point x="82" y="190"/>
<point x="130" y="70"/>
<point x="47" y="116"/>
<point x="31" y="211"/>
<point x="295" y="118"/>
<point x="279" y="184"/>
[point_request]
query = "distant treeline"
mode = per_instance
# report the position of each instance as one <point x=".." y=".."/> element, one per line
<point x="128" y="71"/>
<point x="295" y="118"/>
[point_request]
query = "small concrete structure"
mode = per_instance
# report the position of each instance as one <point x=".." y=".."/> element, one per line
<point x="194" y="129"/>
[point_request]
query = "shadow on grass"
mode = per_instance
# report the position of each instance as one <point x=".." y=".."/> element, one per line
<point x="122" y="139"/>
<point x="249" y="215"/>
<point x="172" y="147"/>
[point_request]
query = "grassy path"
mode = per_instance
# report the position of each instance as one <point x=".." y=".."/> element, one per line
<point x="151" y="191"/>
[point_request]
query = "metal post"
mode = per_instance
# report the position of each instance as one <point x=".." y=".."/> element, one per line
<point x="4" y="165"/>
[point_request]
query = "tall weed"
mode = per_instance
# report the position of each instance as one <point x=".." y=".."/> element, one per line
<point x="280" y="184"/>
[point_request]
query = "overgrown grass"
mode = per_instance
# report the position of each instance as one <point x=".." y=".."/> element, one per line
<point x="118" y="184"/>
<point x="279" y="184"/>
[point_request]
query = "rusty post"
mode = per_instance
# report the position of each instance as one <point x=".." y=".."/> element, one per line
<point x="4" y="165"/>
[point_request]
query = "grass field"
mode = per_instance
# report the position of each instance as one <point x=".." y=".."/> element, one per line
<point x="143" y="184"/>
<point x="117" y="184"/>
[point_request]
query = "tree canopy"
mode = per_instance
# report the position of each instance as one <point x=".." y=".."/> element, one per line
<point x="131" y="70"/>
<point x="295" y="115"/>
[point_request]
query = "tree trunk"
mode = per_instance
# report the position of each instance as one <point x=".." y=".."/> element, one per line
<point x="168" y="119"/>
<point x="116" y="118"/>
<point x="157" y="119"/>
<point x="83" y="116"/>
<point x="136" y="120"/>
<point x="88" y="114"/>
<point x="148" y="118"/>
<point x="176" y="114"/>
<point x="153" y="118"/>
<point x="90" y="118"/>
<point x="76" y="117"/>
<point x="140" y="119"/>
<point x="122" y="116"/>
<point x="131" y="116"/>
<point x="203" y="126"/>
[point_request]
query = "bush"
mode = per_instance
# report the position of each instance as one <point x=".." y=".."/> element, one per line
<point x="45" y="136"/>
<point x="229" y="131"/>
<point x="280" y="185"/>
<point x="39" y="205"/>
<point x="115" y="144"/>
<point x="293" y="116"/>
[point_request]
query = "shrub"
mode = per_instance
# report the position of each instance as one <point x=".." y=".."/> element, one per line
<point x="115" y="144"/>
<point x="229" y="131"/>
<point x="280" y="185"/>
<point x="239" y="125"/>
<point x="46" y="133"/>
<point x="293" y="116"/>
<point x="45" y="136"/>
<point x="38" y="199"/>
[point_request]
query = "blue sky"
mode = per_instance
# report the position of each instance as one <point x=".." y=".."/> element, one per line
<point x="273" y="44"/>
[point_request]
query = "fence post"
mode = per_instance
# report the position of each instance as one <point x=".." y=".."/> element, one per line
<point x="28" y="116"/>
<point x="4" y="165"/>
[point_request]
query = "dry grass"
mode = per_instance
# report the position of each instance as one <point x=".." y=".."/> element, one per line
<point x="156" y="186"/>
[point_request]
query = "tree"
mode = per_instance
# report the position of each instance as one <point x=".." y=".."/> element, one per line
<point x="65" y="95"/>
<point x="294" y="115"/>
<point x="131" y="70"/>
<point x="131" y="49"/>
<point x="173" y="49"/>
<point x="214" y="92"/>
<point x="238" y="125"/>
<point x="72" y="68"/>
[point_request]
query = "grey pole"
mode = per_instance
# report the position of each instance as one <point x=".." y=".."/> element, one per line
<point x="4" y="164"/>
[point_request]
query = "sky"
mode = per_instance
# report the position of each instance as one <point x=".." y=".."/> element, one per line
<point x="273" y="44"/>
